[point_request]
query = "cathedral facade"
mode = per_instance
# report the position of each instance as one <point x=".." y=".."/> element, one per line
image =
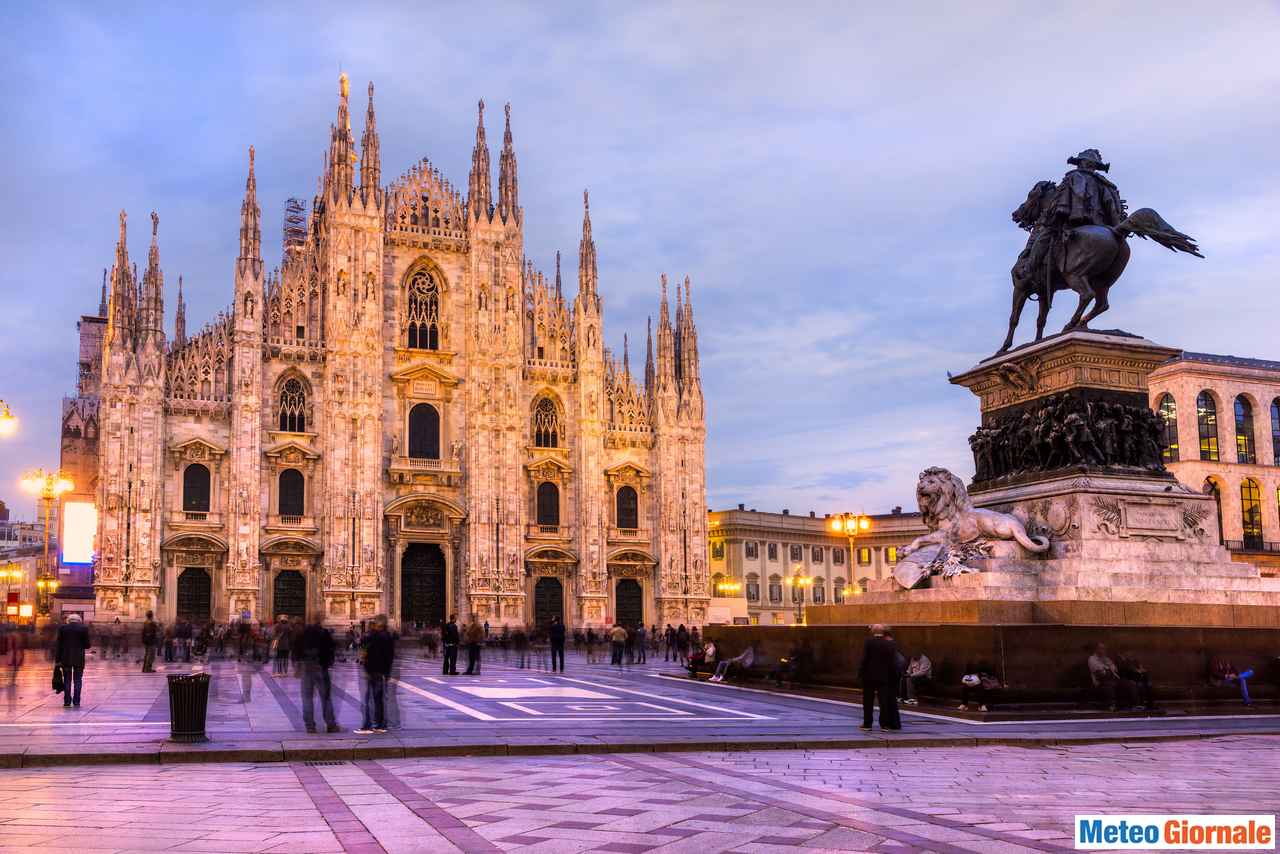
<point x="405" y="417"/>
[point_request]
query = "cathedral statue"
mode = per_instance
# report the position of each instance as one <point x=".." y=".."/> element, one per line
<point x="1079" y="242"/>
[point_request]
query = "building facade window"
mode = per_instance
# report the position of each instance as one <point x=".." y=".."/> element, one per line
<point x="773" y="551"/>
<point x="864" y="556"/>
<point x="548" y="503"/>
<point x="717" y="550"/>
<point x="816" y="554"/>
<point x="1275" y="432"/>
<point x="292" y="410"/>
<point x="291" y="493"/>
<point x="837" y="557"/>
<point x="195" y="489"/>
<point x="797" y="554"/>
<point x="837" y="591"/>
<point x="890" y="554"/>
<point x="1251" y="513"/>
<point x="862" y="584"/>
<point x="546" y="424"/>
<point x="753" y="550"/>
<point x="753" y="588"/>
<point x="717" y="581"/>
<point x="819" y="592"/>
<point x="424" y="432"/>
<point x="1168" y="412"/>
<point x="1211" y="488"/>
<point x="422" y="315"/>
<point x="1207" y="420"/>
<point x="628" y="508"/>
<point x="1245" y="451"/>
<point x="775" y="590"/>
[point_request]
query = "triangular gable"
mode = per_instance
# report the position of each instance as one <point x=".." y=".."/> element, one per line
<point x="197" y="445"/>
<point x="549" y="461"/>
<point x="284" y="447"/>
<point x="423" y="371"/>
<point x="628" y="468"/>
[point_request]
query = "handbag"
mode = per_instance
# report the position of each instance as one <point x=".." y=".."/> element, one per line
<point x="59" y="685"/>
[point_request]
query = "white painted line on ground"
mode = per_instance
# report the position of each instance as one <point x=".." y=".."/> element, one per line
<point x="434" y="679"/>
<point x="747" y="715"/>
<point x="520" y="708"/>
<point x="444" y="701"/>
<point x="907" y="711"/>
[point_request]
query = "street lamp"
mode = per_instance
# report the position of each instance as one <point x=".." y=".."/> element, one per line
<point x="852" y="525"/>
<point x="8" y="421"/>
<point x="48" y="486"/>
<point x="799" y="584"/>
<point x="728" y="588"/>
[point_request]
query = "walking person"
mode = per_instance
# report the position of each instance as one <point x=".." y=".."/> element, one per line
<point x="150" y="636"/>
<point x="449" y="639"/>
<point x="473" y="637"/>
<point x="878" y="674"/>
<point x="316" y="652"/>
<point x="618" y="643"/>
<point x="520" y="641"/>
<point x="69" y="649"/>
<point x="379" y="652"/>
<point x="669" y="642"/>
<point x="641" y="644"/>
<point x="591" y="641"/>
<point x="280" y="646"/>
<point x="556" y="635"/>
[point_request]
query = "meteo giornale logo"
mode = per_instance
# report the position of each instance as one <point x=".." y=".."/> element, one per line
<point x="1156" y="832"/>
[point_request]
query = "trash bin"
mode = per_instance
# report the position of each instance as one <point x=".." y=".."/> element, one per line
<point x="188" y="706"/>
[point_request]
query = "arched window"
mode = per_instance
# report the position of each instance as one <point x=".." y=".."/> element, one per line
<point x="292" y="487"/>
<point x="548" y="503"/>
<point x="422" y="312"/>
<point x="1251" y="513"/>
<point x="424" y="432"/>
<point x="1207" y="419"/>
<point x="819" y="592"/>
<point x="775" y="590"/>
<point x="628" y="508"/>
<point x="837" y="591"/>
<point x="1275" y="432"/>
<point x="1245" y="451"/>
<point x="753" y="587"/>
<point x="195" y="489"/>
<point x="293" y="407"/>
<point x="546" y="424"/>
<point x="716" y="581"/>
<point x="1211" y="488"/>
<point x="1168" y="412"/>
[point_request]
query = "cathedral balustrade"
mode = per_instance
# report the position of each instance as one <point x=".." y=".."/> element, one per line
<point x="301" y="524"/>
<point x="629" y="535"/>
<point x="548" y="532"/>
<point x="423" y="464"/>
<point x="194" y="519"/>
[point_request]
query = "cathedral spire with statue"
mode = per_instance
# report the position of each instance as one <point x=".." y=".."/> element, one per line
<point x="405" y="416"/>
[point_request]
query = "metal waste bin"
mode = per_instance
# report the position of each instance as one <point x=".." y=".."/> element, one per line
<point x="188" y="706"/>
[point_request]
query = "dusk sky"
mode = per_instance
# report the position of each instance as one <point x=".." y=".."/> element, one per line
<point x="836" y="178"/>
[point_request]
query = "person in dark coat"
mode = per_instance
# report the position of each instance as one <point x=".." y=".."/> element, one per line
<point x="150" y="637"/>
<point x="73" y="640"/>
<point x="379" y="652"/>
<point x="878" y="674"/>
<point x="315" y="650"/>
<point x="556" y="635"/>
<point x="450" y="637"/>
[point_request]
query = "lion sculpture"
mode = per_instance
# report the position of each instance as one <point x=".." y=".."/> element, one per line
<point x="958" y="531"/>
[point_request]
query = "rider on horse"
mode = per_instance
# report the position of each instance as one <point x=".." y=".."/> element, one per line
<point x="1083" y="197"/>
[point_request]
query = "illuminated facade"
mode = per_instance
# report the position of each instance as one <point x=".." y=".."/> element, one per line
<point x="404" y="417"/>
<point x="1222" y="436"/>
<point x="756" y="553"/>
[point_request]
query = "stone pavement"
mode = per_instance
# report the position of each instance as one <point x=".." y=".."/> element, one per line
<point x="963" y="799"/>
<point x="593" y="708"/>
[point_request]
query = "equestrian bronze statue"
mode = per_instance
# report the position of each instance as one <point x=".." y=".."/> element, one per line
<point x="1080" y="230"/>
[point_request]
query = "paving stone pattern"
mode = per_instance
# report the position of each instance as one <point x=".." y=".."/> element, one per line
<point x="973" y="799"/>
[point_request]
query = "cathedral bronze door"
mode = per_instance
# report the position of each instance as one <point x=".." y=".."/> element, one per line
<point x="195" y="594"/>
<point x="629" y="602"/>
<point x="290" y="594"/>
<point x="548" y="601"/>
<point x="422" y="590"/>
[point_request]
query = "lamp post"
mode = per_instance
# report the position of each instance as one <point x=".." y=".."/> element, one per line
<point x="48" y="486"/>
<point x="8" y="421"/>
<point x="799" y="583"/>
<point x="852" y="525"/>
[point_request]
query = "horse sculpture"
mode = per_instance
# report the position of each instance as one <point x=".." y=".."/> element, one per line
<point x="1090" y="263"/>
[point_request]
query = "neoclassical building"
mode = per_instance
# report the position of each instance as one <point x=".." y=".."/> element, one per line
<point x="1222" y="435"/>
<point x="404" y="417"/>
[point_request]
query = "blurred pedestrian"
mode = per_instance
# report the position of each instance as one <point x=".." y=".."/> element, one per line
<point x="73" y="640"/>
<point x="878" y="674"/>
<point x="378" y="652"/>
<point x="556" y="636"/>
<point x="473" y="638"/>
<point x="315" y="649"/>
<point x="150" y="637"/>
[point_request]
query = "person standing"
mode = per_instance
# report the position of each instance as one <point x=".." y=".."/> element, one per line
<point x="280" y="646"/>
<point x="641" y="644"/>
<point x="669" y="639"/>
<point x="449" y="639"/>
<point x="682" y="644"/>
<point x="556" y="636"/>
<point x="618" y="643"/>
<point x="379" y="652"/>
<point x="72" y="641"/>
<point x="315" y="649"/>
<point x="150" y="635"/>
<point x="878" y="674"/>
<point x="474" y="638"/>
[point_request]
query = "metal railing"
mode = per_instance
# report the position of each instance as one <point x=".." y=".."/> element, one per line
<point x="1252" y="545"/>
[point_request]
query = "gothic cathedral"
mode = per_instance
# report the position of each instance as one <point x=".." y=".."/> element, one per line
<point x="406" y="417"/>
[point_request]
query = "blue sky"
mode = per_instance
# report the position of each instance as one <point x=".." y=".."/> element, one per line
<point x="836" y="178"/>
